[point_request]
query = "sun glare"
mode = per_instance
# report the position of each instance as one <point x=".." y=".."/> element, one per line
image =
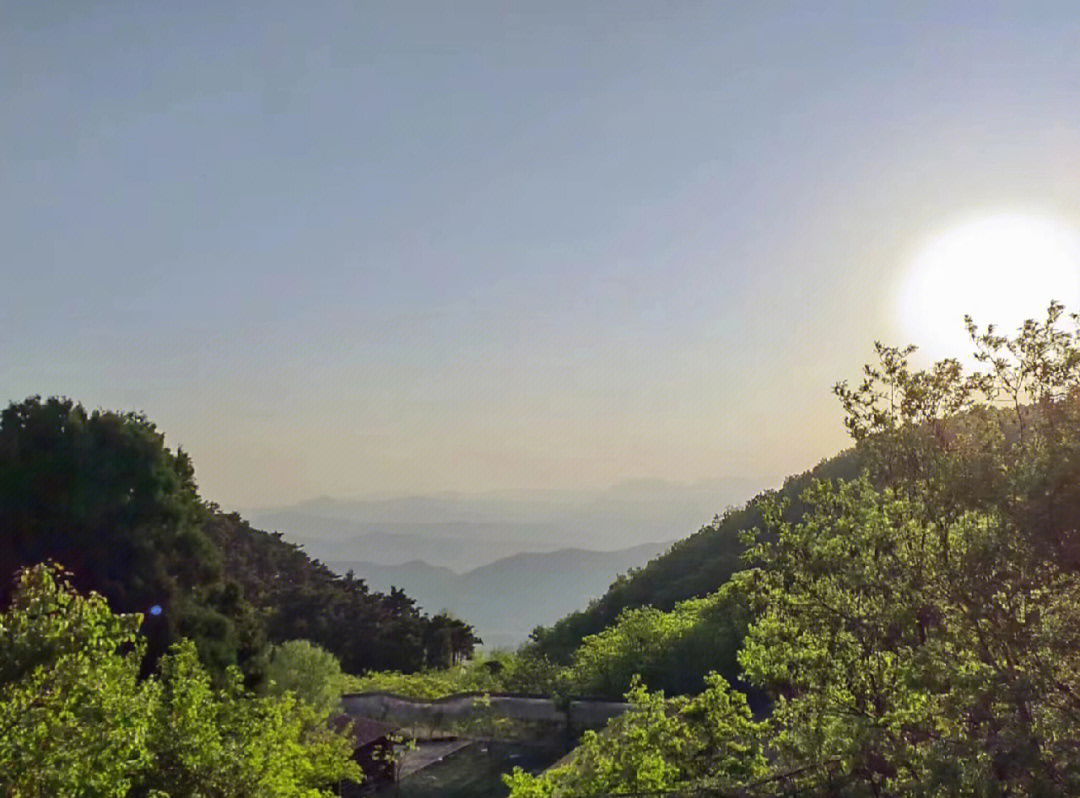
<point x="1001" y="269"/>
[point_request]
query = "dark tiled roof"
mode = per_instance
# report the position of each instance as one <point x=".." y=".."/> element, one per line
<point x="364" y="730"/>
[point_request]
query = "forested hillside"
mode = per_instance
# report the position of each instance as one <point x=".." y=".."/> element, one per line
<point x="915" y="628"/>
<point x="692" y="568"/>
<point x="100" y="494"/>
<point x="302" y="599"/>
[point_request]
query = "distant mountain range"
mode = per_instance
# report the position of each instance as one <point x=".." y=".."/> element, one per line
<point x="465" y="531"/>
<point x="504" y="561"/>
<point x="507" y="599"/>
<point x="459" y="546"/>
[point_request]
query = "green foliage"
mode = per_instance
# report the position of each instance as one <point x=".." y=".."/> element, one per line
<point x="447" y="640"/>
<point x="694" y="567"/>
<point x="669" y="651"/>
<point x="523" y="671"/>
<point x="311" y="673"/>
<point x="74" y="717"/>
<point x="424" y="684"/>
<point x="917" y="628"/>
<point x="659" y="745"/>
<point x="228" y="742"/>
<point x="188" y="745"/>
<point x="102" y="495"/>
<point x="76" y="720"/>
<point x="298" y="598"/>
<point x="911" y="654"/>
<point x="469" y="677"/>
<point x="494" y="672"/>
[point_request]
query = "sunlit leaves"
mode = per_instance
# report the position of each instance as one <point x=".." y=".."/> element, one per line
<point x="309" y="672"/>
<point x="671" y="651"/>
<point x="918" y="628"/>
<point x="658" y="745"/>
<point x="76" y="720"/>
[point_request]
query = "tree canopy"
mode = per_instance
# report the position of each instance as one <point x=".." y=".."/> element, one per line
<point x="76" y="719"/>
<point x="298" y="598"/>
<point x="916" y="628"/>
<point x="692" y="568"/>
<point x="100" y="493"/>
<point x="670" y="651"/>
<point x="307" y="671"/>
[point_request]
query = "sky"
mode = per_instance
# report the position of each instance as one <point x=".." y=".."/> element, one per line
<point x="351" y="248"/>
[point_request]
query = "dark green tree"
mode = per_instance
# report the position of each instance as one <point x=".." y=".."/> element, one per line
<point x="298" y="598"/>
<point x="101" y="494"/>
<point x="447" y="640"/>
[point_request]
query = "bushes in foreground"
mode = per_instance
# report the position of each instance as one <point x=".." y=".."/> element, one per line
<point x="494" y="672"/>
<point x="77" y="720"/>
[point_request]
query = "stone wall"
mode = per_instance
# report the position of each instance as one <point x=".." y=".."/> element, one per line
<point x="459" y="710"/>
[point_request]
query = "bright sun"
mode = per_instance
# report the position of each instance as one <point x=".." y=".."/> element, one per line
<point x="1001" y="269"/>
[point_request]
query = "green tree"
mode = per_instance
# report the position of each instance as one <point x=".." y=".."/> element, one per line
<point x="660" y="745"/>
<point x="917" y="628"/>
<point x="311" y="673"/>
<point x="102" y="495"/>
<point x="297" y="598"/>
<point x="74" y="717"/>
<point x="670" y="651"/>
<point x="77" y="721"/>
<point x="694" y="567"/>
<point x="447" y="640"/>
<point x="230" y="743"/>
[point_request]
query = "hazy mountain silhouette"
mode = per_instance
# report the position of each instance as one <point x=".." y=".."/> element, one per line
<point x="506" y="599"/>
<point x="465" y="531"/>
<point x="504" y="561"/>
<point x="459" y="547"/>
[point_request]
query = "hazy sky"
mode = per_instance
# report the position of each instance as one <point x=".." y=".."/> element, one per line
<point x="343" y="248"/>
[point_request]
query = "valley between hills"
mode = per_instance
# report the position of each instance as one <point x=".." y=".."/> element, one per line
<point x="507" y="562"/>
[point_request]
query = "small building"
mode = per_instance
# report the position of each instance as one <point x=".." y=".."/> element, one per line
<point x="373" y="751"/>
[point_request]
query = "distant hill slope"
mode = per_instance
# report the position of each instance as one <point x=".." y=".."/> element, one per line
<point x="692" y="568"/>
<point x="505" y="600"/>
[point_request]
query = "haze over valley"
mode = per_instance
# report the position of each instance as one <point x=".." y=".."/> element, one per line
<point x="463" y="531"/>
<point x="506" y="561"/>
<point x="506" y="599"/>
